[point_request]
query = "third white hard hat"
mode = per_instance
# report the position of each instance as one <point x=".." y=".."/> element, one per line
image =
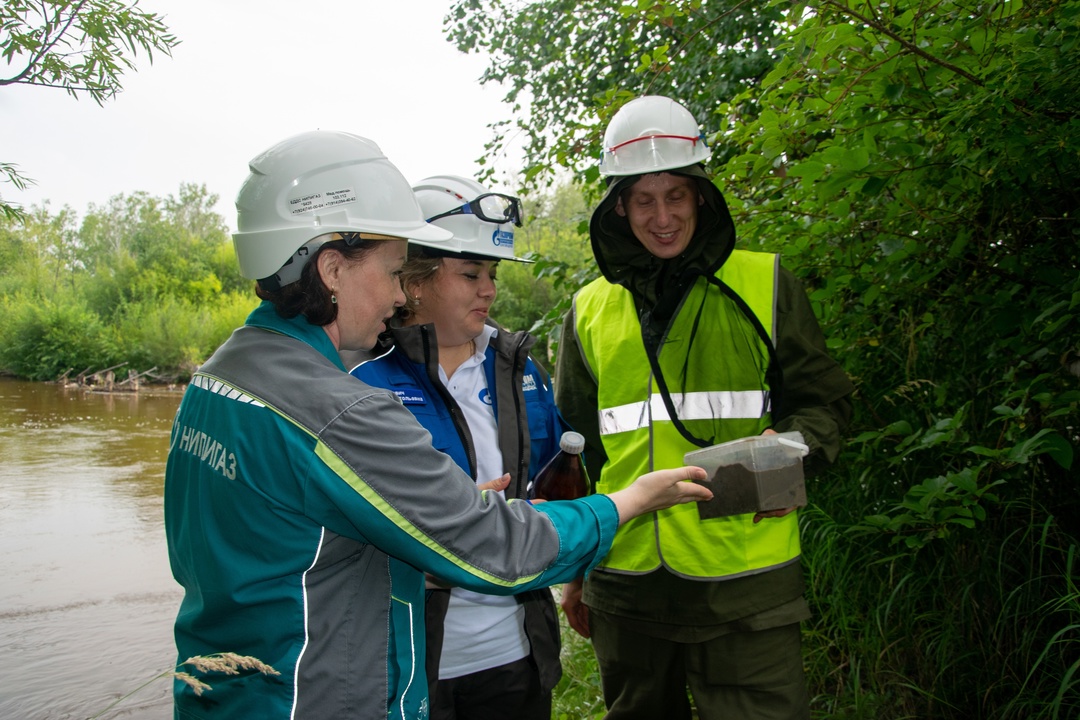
<point x="651" y="134"/>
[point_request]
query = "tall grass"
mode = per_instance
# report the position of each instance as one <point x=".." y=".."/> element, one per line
<point x="177" y="335"/>
<point x="41" y="338"/>
<point x="981" y="623"/>
<point x="44" y="338"/>
<point x="578" y="695"/>
<point x="220" y="663"/>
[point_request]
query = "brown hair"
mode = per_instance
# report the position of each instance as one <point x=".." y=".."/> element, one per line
<point x="309" y="296"/>
<point x="419" y="267"/>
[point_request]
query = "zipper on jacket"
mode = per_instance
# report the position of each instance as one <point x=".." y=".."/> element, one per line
<point x="451" y="404"/>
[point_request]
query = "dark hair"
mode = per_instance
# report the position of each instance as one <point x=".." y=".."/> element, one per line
<point x="308" y="296"/>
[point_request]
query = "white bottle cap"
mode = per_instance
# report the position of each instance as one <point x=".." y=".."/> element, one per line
<point x="572" y="442"/>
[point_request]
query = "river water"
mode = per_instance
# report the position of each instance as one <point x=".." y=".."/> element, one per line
<point x="86" y="596"/>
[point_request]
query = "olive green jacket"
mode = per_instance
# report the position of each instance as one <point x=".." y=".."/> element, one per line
<point x="812" y="397"/>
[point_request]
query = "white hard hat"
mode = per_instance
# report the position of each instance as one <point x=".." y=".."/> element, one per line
<point x="651" y="134"/>
<point x="482" y="222"/>
<point x="312" y="185"/>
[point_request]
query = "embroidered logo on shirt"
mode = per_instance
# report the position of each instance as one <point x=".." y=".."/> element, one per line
<point x="485" y="397"/>
<point x="528" y="383"/>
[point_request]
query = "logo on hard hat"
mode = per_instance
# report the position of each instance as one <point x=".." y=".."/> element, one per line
<point x="503" y="238"/>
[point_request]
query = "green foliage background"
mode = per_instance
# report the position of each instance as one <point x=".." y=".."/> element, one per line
<point x="148" y="284"/>
<point x="917" y="165"/>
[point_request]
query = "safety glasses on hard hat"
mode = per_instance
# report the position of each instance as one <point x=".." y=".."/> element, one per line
<point x="489" y="207"/>
<point x="631" y="141"/>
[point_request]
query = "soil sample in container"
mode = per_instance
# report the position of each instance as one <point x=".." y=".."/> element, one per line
<point x="752" y="474"/>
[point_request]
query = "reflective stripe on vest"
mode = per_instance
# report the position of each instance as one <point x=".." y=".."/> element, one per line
<point x="690" y="406"/>
<point x="714" y="364"/>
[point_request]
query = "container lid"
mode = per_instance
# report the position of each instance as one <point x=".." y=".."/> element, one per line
<point x="758" y="452"/>
<point x="572" y="442"/>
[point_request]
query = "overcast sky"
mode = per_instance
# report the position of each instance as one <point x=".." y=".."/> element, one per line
<point x="247" y="74"/>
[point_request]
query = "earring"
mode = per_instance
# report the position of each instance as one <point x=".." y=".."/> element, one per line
<point x="333" y="296"/>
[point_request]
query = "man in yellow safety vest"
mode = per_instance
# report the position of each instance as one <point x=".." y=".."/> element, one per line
<point x="686" y="342"/>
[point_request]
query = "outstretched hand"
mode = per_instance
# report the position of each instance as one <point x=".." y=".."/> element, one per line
<point x="659" y="490"/>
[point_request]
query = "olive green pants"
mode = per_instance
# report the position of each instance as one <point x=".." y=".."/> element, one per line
<point x="739" y="676"/>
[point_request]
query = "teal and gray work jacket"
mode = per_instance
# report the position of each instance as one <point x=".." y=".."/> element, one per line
<point x="302" y="508"/>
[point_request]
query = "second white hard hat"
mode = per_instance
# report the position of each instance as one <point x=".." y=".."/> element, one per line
<point x="482" y="222"/>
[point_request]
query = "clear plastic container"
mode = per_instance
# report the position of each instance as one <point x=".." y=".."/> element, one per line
<point x="752" y="474"/>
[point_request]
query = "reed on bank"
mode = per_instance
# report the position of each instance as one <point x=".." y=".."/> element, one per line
<point x="224" y="663"/>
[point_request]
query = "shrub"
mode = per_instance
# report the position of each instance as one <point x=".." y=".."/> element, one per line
<point x="41" y="339"/>
<point x="176" y="335"/>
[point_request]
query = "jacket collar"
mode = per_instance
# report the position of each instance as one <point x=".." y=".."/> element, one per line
<point x="267" y="318"/>
<point x="420" y="345"/>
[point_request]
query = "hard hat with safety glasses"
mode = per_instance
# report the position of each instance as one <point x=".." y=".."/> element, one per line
<point x="481" y="221"/>
<point x="489" y="207"/>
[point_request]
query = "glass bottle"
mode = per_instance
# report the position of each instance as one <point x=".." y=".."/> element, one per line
<point x="564" y="477"/>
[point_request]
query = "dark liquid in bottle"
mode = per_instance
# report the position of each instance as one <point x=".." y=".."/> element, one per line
<point x="564" y="477"/>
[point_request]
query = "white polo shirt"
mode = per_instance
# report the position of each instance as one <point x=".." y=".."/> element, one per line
<point x="481" y="631"/>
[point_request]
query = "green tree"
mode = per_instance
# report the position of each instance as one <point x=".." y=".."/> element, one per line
<point x="141" y="247"/>
<point x="920" y="169"/>
<point x="40" y="252"/>
<point x="145" y="281"/>
<point x="569" y="64"/>
<point x="534" y="296"/>
<point x="80" y="46"/>
<point x="43" y="338"/>
<point x="917" y="165"/>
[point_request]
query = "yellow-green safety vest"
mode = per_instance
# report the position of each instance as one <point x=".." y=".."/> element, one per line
<point x="718" y="392"/>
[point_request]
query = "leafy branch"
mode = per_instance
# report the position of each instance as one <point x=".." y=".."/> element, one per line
<point x="78" y="45"/>
<point x="906" y="44"/>
<point x="11" y="174"/>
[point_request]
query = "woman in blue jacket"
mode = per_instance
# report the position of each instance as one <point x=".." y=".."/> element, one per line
<point x="489" y="405"/>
